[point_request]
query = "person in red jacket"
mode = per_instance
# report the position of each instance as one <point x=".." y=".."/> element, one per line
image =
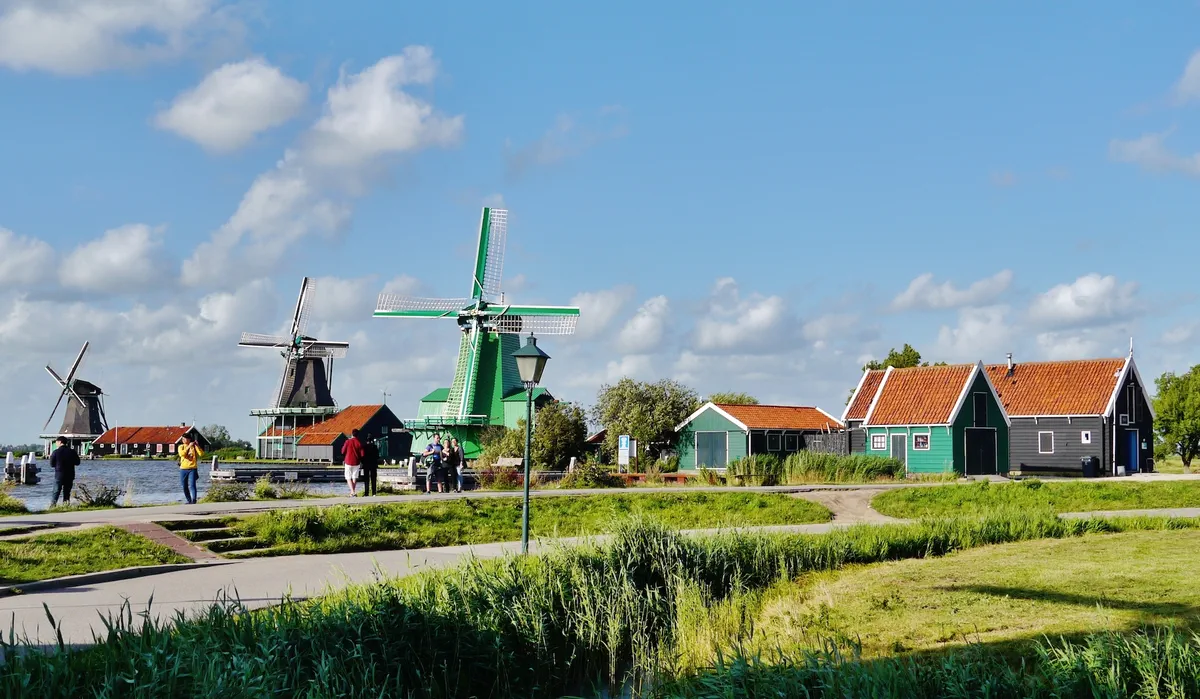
<point x="352" y="457"/>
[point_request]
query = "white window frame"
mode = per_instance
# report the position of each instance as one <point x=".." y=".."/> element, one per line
<point x="1124" y="420"/>
<point x="926" y="435"/>
<point x="1051" y="433"/>
<point x="1085" y="437"/>
<point x="793" y="440"/>
<point x="883" y="438"/>
<point x="778" y="444"/>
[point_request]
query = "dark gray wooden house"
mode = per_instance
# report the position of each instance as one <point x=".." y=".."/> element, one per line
<point x="145" y="441"/>
<point x="1063" y="412"/>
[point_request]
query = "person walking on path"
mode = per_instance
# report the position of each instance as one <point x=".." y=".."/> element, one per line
<point x="370" y="468"/>
<point x="456" y="461"/>
<point x="63" y="460"/>
<point x="352" y="458"/>
<point x="433" y="463"/>
<point x="190" y="454"/>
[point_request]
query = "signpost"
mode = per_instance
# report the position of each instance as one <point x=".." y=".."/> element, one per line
<point x="623" y="451"/>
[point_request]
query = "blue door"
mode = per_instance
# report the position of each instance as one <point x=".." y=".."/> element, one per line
<point x="1133" y="450"/>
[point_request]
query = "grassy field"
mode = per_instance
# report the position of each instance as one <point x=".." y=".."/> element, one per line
<point x="1174" y="464"/>
<point x="72" y="553"/>
<point x="620" y="614"/>
<point x="484" y="520"/>
<point x="997" y="595"/>
<point x="1059" y="496"/>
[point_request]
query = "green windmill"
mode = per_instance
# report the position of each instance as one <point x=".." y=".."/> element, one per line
<point x="487" y="389"/>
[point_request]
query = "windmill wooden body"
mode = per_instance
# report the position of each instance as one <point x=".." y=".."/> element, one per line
<point x="83" y="417"/>
<point x="304" y="393"/>
<point x="485" y="380"/>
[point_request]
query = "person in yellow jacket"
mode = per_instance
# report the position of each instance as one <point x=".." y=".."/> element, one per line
<point x="190" y="454"/>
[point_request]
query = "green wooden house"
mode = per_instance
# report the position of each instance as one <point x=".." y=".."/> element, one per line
<point x="716" y="434"/>
<point x="937" y="419"/>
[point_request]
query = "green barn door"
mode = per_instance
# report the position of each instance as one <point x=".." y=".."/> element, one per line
<point x="710" y="450"/>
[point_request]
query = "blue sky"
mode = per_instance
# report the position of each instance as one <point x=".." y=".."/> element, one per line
<point x="740" y="200"/>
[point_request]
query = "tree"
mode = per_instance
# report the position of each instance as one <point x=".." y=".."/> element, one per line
<point x="559" y="431"/>
<point x="1177" y="419"/>
<point x="647" y="412"/>
<point x="217" y="436"/>
<point x="733" y="398"/>
<point x="905" y="358"/>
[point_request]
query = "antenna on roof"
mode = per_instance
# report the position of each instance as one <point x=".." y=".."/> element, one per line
<point x="1131" y="347"/>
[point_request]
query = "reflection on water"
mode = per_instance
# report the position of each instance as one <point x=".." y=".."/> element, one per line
<point x="148" y="482"/>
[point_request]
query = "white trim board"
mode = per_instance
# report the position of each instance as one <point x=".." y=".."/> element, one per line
<point x="1122" y="378"/>
<point x="861" y="380"/>
<point x="875" y="400"/>
<point x="717" y="408"/>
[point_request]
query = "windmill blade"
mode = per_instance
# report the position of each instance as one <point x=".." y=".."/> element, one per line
<point x="394" y="306"/>
<point x="489" y="255"/>
<point x="261" y="340"/>
<point x="328" y="350"/>
<point x="75" y="366"/>
<point x="287" y="364"/>
<point x="57" y="378"/>
<point x="300" y="319"/>
<point x="539" y="320"/>
<point x="52" y="412"/>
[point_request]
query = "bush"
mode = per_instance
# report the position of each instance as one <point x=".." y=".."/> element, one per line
<point x="711" y="477"/>
<point x="233" y="453"/>
<point x="591" y="475"/>
<point x="97" y="494"/>
<point x="293" y="490"/>
<point x="227" y="492"/>
<point x="263" y="488"/>
<point x="756" y="469"/>
<point x="668" y="464"/>
<point x="811" y="467"/>
<point x="499" y="478"/>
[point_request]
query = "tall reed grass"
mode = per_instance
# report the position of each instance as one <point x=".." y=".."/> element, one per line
<point x="812" y="467"/>
<point x="532" y="627"/>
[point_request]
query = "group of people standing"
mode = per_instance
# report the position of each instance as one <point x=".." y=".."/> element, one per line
<point x="444" y="465"/>
<point x="360" y="459"/>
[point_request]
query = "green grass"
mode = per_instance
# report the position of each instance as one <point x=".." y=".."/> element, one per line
<point x="1059" y="496"/>
<point x="625" y="610"/>
<point x="484" y="520"/>
<point x="73" y="553"/>
<point x="1174" y="464"/>
<point x="10" y="505"/>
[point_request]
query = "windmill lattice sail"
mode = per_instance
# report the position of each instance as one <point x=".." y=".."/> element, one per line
<point x="83" y="417"/>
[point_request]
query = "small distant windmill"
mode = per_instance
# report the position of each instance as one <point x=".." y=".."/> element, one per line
<point x="84" y="417"/>
<point x="486" y="372"/>
<point x="308" y="362"/>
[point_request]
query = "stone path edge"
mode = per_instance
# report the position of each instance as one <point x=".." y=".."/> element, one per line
<point x="102" y="577"/>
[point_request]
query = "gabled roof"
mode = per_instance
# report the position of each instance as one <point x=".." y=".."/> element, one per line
<point x="519" y="396"/>
<point x="770" y="417"/>
<point x="1067" y="388"/>
<point x="927" y="395"/>
<point x="860" y="402"/>
<point x="326" y="432"/>
<point x="144" y="435"/>
<point x="437" y="395"/>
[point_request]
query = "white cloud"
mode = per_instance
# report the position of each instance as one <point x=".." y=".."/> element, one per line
<point x="598" y="309"/>
<point x="336" y="298"/>
<point x="123" y="259"/>
<point x="1188" y="87"/>
<point x="645" y="331"/>
<point x="568" y="138"/>
<point x="233" y="104"/>
<point x="923" y="293"/>
<point x="310" y="191"/>
<point x="1149" y="152"/>
<point x="402" y="285"/>
<point x="734" y="324"/>
<point x="494" y="201"/>
<point x="1004" y="179"/>
<point x="1089" y="300"/>
<point x="981" y="333"/>
<point x="23" y="260"/>
<point x="1069" y="345"/>
<point x="80" y="37"/>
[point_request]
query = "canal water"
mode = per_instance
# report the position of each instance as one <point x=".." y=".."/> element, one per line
<point x="145" y="482"/>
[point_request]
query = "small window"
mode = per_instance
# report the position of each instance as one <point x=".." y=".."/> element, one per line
<point x="1045" y="442"/>
<point x="1085" y="437"/>
<point x="1124" y="420"/>
<point x="921" y="442"/>
<point x="773" y="442"/>
<point x="791" y="442"/>
<point x="171" y="447"/>
<point x="878" y="442"/>
<point x="981" y="413"/>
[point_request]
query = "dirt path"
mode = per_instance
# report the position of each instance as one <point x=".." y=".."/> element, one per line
<point x="848" y="506"/>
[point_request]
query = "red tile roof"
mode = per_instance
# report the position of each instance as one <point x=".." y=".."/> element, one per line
<point x="326" y="432"/>
<point x="143" y="435"/>
<point x="1081" y="387"/>
<point x="920" y="395"/>
<point x="861" y="400"/>
<point x="781" y="417"/>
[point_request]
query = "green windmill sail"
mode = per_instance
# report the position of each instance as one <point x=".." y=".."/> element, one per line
<point x="485" y="373"/>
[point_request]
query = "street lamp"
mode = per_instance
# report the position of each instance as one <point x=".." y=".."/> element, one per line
<point x="531" y="362"/>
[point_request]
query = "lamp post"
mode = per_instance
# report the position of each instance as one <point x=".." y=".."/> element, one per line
<point x="531" y="362"/>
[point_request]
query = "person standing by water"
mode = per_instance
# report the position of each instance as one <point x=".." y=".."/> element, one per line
<point x="352" y="458"/>
<point x="63" y="460"/>
<point x="433" y="464"/>
<point x="456" y="461"/>
<point x="370" y="468"/>
<point x="190" y="454"/>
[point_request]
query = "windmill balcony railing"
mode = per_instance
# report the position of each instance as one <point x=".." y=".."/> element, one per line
<point x="431" y="421"/>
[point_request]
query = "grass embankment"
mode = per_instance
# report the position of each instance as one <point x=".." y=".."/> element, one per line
<point x="73" y="553"/>
<point x="630" y="609"/>
<point x="484" y="520"/>
<point x="1059" y="496"/>
<point x="10" y="505"/>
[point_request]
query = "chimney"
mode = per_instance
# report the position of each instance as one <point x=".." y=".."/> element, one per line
<point x="183" y="424"/>
<point x="1010" y="364"/>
